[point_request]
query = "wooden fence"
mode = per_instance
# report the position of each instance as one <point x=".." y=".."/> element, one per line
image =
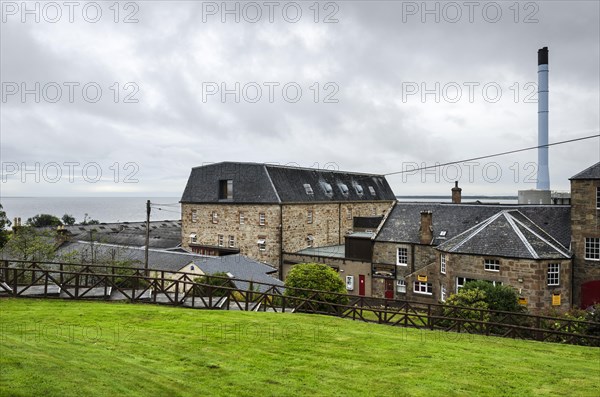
<point x="89" y="281"/>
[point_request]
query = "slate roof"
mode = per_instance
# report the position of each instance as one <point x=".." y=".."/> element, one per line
<point x="238" y="265"/>
<point x="163" y="234"/>
<point x="403" y="222"/>
<point x="508" y="233"/>
<point x="592" y="172"/>
<point x="266" y="183"/>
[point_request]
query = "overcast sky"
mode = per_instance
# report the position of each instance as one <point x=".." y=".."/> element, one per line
<point x="377" y="86"/>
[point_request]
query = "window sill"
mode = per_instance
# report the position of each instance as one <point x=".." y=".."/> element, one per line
<point x="490" y="270"/>
<point x="401" y="264"/>
<point x="423" y="293"/>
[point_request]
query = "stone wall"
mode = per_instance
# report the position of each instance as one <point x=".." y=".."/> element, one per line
<point x="330" y="223"/>
<point x="245" y="235"/>
<point x="585" y="222"/>
<point x="527" y="276"/>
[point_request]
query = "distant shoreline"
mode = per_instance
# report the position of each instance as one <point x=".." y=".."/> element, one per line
<point x="464" y="197"/>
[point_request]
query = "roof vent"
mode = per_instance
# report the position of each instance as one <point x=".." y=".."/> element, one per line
<point x="308" y="189"/>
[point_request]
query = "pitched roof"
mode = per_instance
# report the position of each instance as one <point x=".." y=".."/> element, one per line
<point x="403" y="222"/>
<point x="238" y="265"/>
<point x="508" y="233"/>
<point x="163" y="234"/>
<point x="592" y="172"/>
<point x="266" y="183"/>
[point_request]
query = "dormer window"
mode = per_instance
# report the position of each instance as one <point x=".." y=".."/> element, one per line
<point x="193" y="238"/>
<point x="344" y="188"/>
<point x="308" y="189"/>
<point x="359" y="190"/>
<point x="226" y="189"/>
<point x="443" y="233"/>
<point x="327" y="188"/>
<point x="372" y="190"/>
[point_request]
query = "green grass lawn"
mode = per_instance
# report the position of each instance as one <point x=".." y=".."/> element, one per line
<point x="66" y="348"/>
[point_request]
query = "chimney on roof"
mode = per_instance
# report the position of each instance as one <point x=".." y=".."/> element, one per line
<point x="456" y="194"/>
<point x="426" y="229"/>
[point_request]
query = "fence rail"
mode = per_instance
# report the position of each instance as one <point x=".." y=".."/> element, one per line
<point x="105" y="282"/>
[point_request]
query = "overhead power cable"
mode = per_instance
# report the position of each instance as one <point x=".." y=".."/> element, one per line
<point x="494" y="155"/>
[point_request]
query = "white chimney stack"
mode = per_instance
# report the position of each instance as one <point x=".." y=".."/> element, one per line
<point x="543" y="173"/>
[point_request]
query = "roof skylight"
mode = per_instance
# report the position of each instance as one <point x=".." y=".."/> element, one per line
<point x="308" y="188"/>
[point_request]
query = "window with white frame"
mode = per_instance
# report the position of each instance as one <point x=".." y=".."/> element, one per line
<point x="194" y="216"/>
<point x="220" y="240"/>
<point x="401" y="286"/>
<point x="598" y="198"/>
<point x="423" y="288"/>
<point x="309" y="216"/>
<point x="231" y="241"/>
<point x="215" y="217"/>
<point x="261" y="219"/>
<point x="242" y="218"/>
<point x="491" y="265"/>
<point x="554" y="274"/>
<point x="193" y="238"/>
<point x="402" y="256"/>
<point x="592" y="248"/>
<point x="443" y="293"/>
<point x="443" y="263"/>
<point x="262" y="243"/>
<point x="349" y="214"/>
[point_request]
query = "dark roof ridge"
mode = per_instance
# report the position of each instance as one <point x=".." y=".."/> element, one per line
<point x="275" y="165"/>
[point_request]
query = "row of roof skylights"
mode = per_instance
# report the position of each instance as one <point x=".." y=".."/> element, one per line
<point x="328" y="189"/>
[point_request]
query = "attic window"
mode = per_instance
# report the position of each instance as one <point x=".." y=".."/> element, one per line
<point x="308" y="189"/>
<point x="443" y="233"/>
<point x="328" y="189"/>
<point x="193" y="238"/>
<point x="359" y="190"/>
<point x="344" y="188"/>
<point x="372" y="190"/>
<point x="309" y="240"/>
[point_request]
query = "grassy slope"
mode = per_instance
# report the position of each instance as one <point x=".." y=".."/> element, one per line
<point x="52" y="348"/>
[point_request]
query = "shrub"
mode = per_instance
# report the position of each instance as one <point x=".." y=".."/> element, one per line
<point x="497" y="297"/>
<point x="319" y="277"/>
<point x="458" y="305"/>
<point x="212" y="285"/>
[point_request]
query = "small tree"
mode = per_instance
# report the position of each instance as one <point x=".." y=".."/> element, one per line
<point x="4" y="223"/>
<point x="68" y="219"/>
<point x="27" y="243"/>
<point x="89" y="221"/>
<point x="319" y="277"/>
<point x="43" y="220"/>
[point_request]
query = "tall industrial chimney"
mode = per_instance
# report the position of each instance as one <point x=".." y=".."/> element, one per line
<point x="543" y="174"/>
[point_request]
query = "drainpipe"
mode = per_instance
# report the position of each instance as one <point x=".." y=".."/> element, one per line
<point x="281" y="242"/>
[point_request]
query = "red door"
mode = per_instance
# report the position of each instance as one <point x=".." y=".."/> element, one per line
<point x="590" y="293"/>
<point x="389" y="288"/>
<point x="361" y="284"/>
